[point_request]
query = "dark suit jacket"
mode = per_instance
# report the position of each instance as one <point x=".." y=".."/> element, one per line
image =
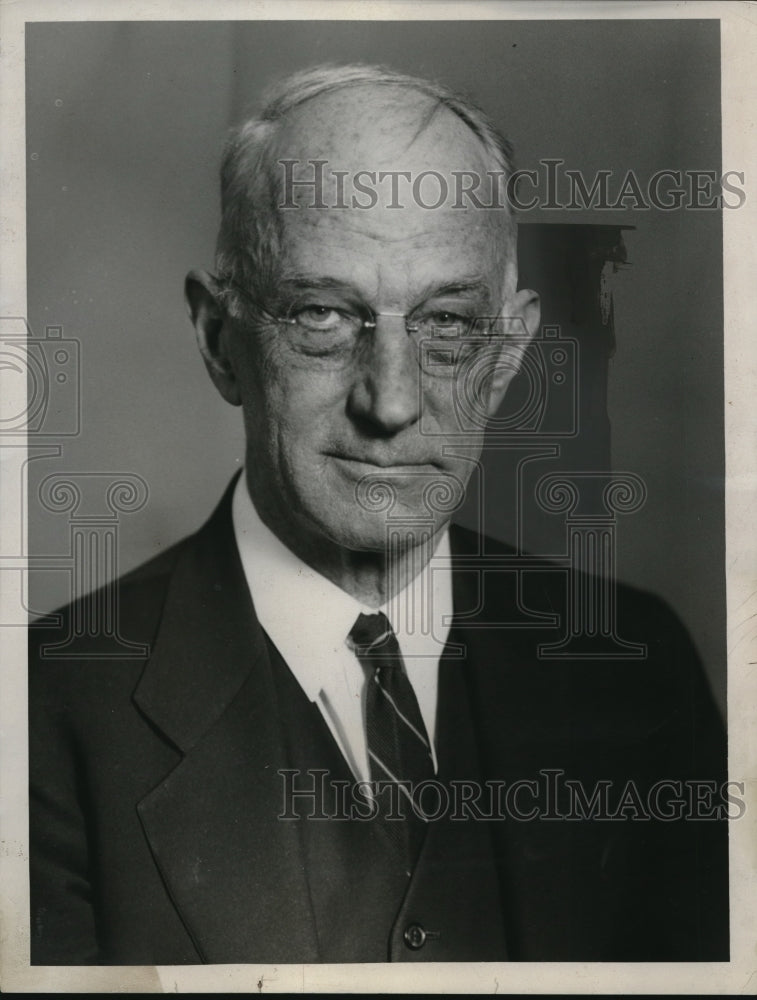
<point x="154" y="792"/>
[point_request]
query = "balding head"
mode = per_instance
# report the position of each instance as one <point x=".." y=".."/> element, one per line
<point x="351" y="138"/>
<point x="373" y="124"/>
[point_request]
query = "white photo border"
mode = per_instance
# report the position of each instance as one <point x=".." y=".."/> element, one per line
<point x="738" y="22"/>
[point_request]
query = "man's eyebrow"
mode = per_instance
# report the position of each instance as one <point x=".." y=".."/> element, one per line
<point x="320" y="282"/>
<point x="462" y="286"/>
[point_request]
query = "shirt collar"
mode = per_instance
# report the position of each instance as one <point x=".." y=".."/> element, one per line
<point x="309" y="618"/>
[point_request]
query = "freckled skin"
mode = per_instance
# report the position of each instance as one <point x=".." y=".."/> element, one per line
<point x="313" y="433"/>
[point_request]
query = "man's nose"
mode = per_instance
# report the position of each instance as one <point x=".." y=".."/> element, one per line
<point x="387" y="390"/>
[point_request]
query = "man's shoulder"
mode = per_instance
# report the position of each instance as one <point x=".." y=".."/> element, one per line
<point x="574" y="631"/>
<point x="574" y="659"/>
<point x="89" y="660"/>
<point x="545" y="581"/>
<point x="134" y="599"/>
<point x="130" y="607"/>
<point x="84" y="666"/>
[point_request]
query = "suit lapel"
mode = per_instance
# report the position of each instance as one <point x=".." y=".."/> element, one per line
<point x="233" y="869"/>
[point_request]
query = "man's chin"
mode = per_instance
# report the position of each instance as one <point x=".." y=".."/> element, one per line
<point x="375" y="532"/>
<point x="383" y="511"/>
<point x="425" y="494"/>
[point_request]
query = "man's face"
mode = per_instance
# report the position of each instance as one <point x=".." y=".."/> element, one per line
<point x="329" y="440"/>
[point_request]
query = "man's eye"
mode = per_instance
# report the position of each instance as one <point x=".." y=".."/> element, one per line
<point x="316" y="317"/>
<point x="446" y="318"/>
<point x="442" y="322"/>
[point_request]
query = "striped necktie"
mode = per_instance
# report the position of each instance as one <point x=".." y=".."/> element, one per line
<point x="399" y="749"/>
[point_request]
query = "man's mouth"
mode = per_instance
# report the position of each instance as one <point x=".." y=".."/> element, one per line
<point x="377" y="464"/>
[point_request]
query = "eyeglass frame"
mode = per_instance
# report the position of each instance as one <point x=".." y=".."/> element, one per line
<point x="371" y="322"/>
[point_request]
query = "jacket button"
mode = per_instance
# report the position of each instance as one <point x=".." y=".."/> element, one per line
<point x="415" y="936"/>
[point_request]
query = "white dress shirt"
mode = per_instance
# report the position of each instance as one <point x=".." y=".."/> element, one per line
<point x="308" y="618"/>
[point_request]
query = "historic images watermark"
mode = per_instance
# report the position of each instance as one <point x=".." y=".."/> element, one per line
<point x="39" y="416"/>
<point x="549" y="795"/>
<point x="316" y="183"/>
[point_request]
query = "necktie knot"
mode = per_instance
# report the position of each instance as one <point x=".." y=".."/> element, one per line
<point x="373" y="637"/>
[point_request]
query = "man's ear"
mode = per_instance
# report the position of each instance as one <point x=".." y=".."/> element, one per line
<point x="212" y="329"/>
<point x="520" y="318"/>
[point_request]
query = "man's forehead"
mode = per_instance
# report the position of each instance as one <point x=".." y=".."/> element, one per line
<point x="379" y="127"/>
<point x="395" y="255"/>
<point x="382" y="234"/>
<point x="382" y="163"/>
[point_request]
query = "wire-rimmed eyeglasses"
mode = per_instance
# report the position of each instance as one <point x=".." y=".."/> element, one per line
<point x="333" y="336"/>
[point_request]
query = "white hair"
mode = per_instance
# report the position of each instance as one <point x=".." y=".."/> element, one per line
<point x="247" y="250"/>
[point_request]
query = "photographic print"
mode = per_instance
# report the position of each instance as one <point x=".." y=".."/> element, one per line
<point x="377" y="567"/>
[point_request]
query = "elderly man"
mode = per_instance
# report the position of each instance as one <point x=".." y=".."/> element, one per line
<point x="327" y="659"/>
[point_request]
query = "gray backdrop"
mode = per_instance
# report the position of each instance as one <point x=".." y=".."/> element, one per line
<point x="124" y="127"/>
